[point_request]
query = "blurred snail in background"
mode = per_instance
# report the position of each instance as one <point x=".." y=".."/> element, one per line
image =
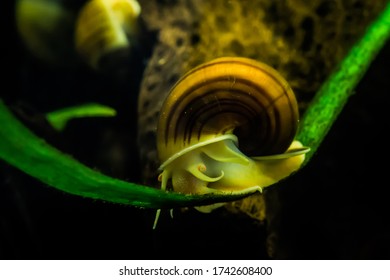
<point x="106" y="27"/>
<point x="46" y="28"/>
<point x="228" y="127"/>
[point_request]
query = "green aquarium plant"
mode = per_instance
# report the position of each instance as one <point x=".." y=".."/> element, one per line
<point x="335" y="91"/>
<point x="59" y="119"/>
<point x="19" y="147"/>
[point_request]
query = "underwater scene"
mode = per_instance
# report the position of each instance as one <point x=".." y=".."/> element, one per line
<point x="195" y="129"/>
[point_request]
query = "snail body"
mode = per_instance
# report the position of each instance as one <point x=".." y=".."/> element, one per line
<point x="228" y="126"/>
<point x="104" y="27"/>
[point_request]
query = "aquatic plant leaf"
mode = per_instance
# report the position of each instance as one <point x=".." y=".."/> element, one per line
<point x="335" y="91"/>
<point x="31" y="154"/>
<point x="59" y="118"/>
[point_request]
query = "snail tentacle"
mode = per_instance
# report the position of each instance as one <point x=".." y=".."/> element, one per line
<point x="290" y="153"/>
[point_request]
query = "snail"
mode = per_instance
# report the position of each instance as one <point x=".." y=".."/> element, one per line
<point x="105" y="27"/>
<point x="46" y="29"/>
<point x="228" y="127"/>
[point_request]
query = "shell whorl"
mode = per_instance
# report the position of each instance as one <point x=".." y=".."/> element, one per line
<point x="225" y="96"/>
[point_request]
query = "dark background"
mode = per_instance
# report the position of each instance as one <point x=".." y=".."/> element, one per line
<point x="335" y="208"/>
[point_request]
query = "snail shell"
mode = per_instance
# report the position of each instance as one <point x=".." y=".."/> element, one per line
<point x="104" y="27"/>
<point x="228" y="126"/>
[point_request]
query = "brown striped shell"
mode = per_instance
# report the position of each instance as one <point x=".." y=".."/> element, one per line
<point x="229" y="95"/>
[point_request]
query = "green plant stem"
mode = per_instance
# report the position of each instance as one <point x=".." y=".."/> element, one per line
<point x="58" y="119"/>
<point x="31" y="154"/>
<point x="22" y="149"/>
<point x="334" y="93"/>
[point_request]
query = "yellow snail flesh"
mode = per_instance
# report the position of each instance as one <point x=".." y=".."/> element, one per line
<point x="106" y="26"/>
<point x="228" y="127"/>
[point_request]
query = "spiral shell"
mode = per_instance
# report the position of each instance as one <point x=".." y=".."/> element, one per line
<point x="106" y="26"/>
<point x="228" y="126"/>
